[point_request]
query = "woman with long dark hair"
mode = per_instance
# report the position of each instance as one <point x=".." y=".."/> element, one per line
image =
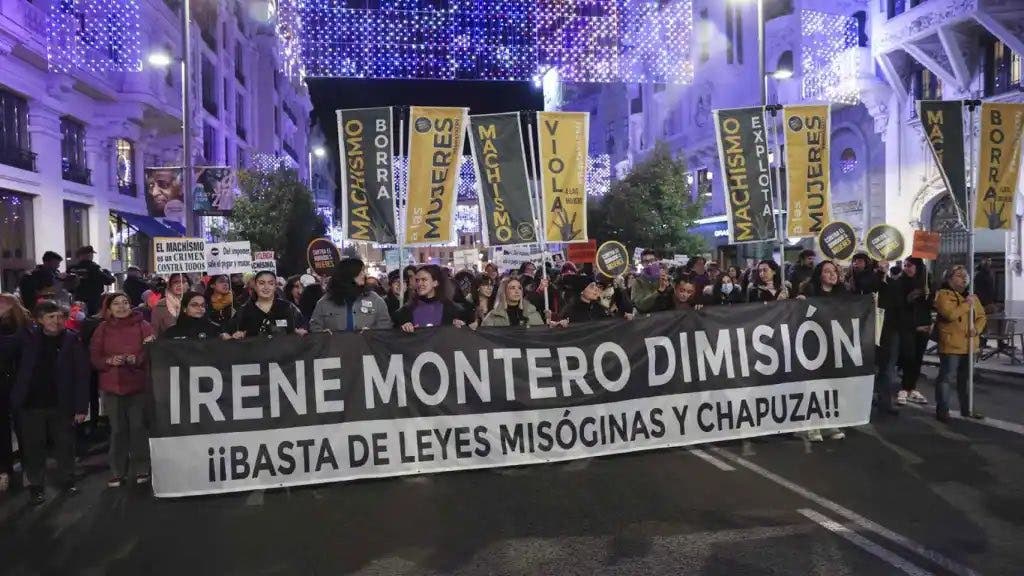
<point x="14" y="325"/>
<point x="726" y="290"/>
<point x="768" y="285"/>
<point x="483" y="297"/>
<point x="220" y="301"/>
<point x="432" y="305"/>
<point x="349" y="305"/>
<point x="907" y="302"/>
<point x="193" y="321"/>
<point x="266" y="314"/>
<point x="166" y="311"/>
<point x="293" y="290"/>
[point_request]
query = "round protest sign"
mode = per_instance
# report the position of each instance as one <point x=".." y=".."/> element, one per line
<point x="612" y="259"/>
<point x="323" y="256"/>
<point x="885" y="242"/>
<point x="837" y="241"/>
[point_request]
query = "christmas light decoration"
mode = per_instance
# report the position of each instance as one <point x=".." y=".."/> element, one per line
<point x="95" y="35"/>
<point x="829" y="58"/>
<point x="586" y="40"/>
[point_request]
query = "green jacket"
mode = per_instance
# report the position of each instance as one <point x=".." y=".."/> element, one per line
<point x="499" y="316"/>
<point x="645" y="294"/>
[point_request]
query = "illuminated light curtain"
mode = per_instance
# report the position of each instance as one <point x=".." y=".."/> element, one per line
<point x="95" y="35"/>
<point x="830" y="57"/>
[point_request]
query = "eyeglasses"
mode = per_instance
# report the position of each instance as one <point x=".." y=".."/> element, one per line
<point x="648" y="260"/>
<point x="196" y="305"/>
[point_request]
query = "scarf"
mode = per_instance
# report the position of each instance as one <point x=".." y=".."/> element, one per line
<point x="173" y="304"/>
<point x="221" y="301"/>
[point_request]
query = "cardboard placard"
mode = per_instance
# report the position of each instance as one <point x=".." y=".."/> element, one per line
<point x="228" y="258"/>
<point x="926" y="245"/>
<point x="885" y="242"/>
<point x="582" y="252"/>
<point x="264" y="260"/>
<point x="612" y="259"/>
<point x="837" y="241"/>
<point x="465" y="259"/>
<point x="179" y="256"/>
<point x="322" y="256"/>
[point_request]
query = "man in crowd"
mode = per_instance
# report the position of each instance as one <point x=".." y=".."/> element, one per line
<point x="866" y="277"/>
<point x="803" y="270"/>
<point x="650" y="283"/>
<point x="135" y="286"/>
<point x="45" y="279"/>
<point x="91" y="279"/>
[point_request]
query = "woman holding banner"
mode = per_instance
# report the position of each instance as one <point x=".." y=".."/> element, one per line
<point x="265" y="314"/>
<point x="166" y="311"/>
<point x="220" y="300"/>
<point x="430" y="305"/>
<point x="512" y="308"/>
<point x="349" y="305"/>
<point x="955" y="335"/>
<point x="823" y="283"/>
<point x="768" y="285"/>
<point x="193" y="322"/>
<point x="483" y="297"/>
<point x="908" y="321"/>
<point x="726" y="290"/>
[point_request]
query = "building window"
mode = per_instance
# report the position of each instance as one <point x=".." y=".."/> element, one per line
<point x="738" y="34"/>
<point x="72" y="149"/>
<point x="227" y="95"/>
<point x="703" y="183"/>
<point x="239" y="63"/>
<point x="15" y="149"/>
<point x="277" y="121"/>
<point x="896" y="7"/>
<point x="240" y="116"/>
<point x="126" y="168"/>
<point x="209" y="143"/>
<point x="847" y="160"/>
<point x="76" y="227"/>
<point x="127" y="245"/>
<point x="729" y="25"/>
<point x="636" y="105"/>
<point x="926" y="85"/>
<point x="240" y="158"/>
<point x="1001" y="67"/>
<point x="704" y="32"/>
<point x="209" y="87"/>
<point x="16" y="236"/>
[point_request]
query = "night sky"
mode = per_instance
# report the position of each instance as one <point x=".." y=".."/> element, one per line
<point x="481" y="97"/>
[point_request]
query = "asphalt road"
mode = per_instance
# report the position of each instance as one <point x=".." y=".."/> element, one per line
<point x="902" y="495"/>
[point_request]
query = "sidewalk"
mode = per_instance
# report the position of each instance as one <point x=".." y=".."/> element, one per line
<point x="997" y="364"/>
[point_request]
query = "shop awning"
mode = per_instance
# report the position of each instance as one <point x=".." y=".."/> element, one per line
<point x="151" y="226"/>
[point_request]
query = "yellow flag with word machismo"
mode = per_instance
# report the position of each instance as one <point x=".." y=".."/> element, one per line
<point x="563" y="174"/>
<point x="435" y="153"/>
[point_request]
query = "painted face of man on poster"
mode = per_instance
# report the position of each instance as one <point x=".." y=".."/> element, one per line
<point x="162" y="186"/>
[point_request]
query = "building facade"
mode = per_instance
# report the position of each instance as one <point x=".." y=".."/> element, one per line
<point x="76" y="137"/>
<point x="871" y="60"/>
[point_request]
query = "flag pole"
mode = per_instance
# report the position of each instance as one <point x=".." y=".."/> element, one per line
<point x="539" y="220"/>
<point x="400" y="233"/>
<point x="780" y="220"/>
<point x="971" y="211"/>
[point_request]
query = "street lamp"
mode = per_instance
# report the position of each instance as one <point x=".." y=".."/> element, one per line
<point x="159" y="59"/>
<point x="319" y="152"/>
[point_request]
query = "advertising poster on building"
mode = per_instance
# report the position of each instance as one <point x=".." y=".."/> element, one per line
<point x="998" y="165"/>
<point x="179" y="256"/>
<point x="435" y="153"/>
<point x="743" y="152"/>
<point x="214" y="190"/>
<point x="503" y="183"/>
<point x="287" y="411"/>
<point x="943" y="125"/>
<point x="164" y="195"/>
<point x="367" y="175"/>
<point x="562" y="139"/>
<point x="808" y="134"/>
<point x="228" y="258"/>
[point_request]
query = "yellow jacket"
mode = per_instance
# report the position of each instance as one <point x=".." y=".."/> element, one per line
<point x="954" y="320"/>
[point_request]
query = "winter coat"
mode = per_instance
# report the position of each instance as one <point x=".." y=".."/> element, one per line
<point x="645" y="294"/>
<point x="116" y="336"/>
<point x="811" y="291"/>
<point x="91" y="281"/>
<point x="499" y="316"/>
<point x="369" y="311"/>
<point x="188" y="328"/>
<point x="405" y="314"/>
<point x="71" y="372"/>
<point x="758" y="293"/>
<point x="134" y="288"/>
<point x="580" y="311"/>
<point x="954" y="320"/>
<point x="283" y="318"/>
<point x="161" y="317"/>
<point x="904" y="311"/>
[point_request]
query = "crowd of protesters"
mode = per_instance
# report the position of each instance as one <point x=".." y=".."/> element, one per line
<point x="71" y="349"/>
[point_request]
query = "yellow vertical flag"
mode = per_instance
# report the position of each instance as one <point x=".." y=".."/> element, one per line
<point x="435" y="153"/>
<point x="808" y="133"/>
<point x="563" y="174"/>
<point x="998" y="165"/>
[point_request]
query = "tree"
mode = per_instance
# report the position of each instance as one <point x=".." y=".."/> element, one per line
<point x="652" y="207"/>
<point x="275" y="211"/>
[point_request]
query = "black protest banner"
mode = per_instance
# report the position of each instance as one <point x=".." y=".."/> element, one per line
<point x="497" y="144"/>
<point x="367" y="177"/>
<point x="943" y="125"/>
<point x="837" y="240"/>
<point x="289" y="410"/>
<point x="743" y="152"/>
<point x="885" y="242"/>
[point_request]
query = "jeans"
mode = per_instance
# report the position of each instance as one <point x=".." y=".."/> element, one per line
<point x="129" y="436"/>
<point x="36" y="426"/>
<point x="950" y="365"/>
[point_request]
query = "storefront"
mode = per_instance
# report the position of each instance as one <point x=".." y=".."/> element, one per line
<point x="131" y="238"/>
<point x="16" y="238"/>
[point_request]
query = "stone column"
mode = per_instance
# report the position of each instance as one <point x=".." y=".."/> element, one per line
<point x="48" y="205"/>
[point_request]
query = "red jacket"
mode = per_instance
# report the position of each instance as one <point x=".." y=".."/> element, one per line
<point x="121" y="336"/>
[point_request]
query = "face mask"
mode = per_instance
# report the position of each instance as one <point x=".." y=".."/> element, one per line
<point x="726" y="288"/>
<point x="652" y="271"/>
<point x="78" y="316"/>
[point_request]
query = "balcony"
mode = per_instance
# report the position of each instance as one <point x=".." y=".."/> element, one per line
<point x="78" y="174"/>
<point x="291" y="151"/>
<point x="288" y="112"/>
<point x="18" y="157"/>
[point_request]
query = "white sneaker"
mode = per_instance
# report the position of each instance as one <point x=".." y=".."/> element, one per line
<point x="814" y="436"/>
<point x="901" y="398"/>
<point x="837" y="435"/>
<point x="916" y="397"/>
